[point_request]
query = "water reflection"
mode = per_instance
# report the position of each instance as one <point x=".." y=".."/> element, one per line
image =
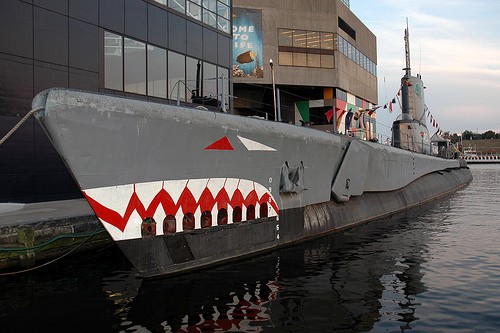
<point x="342" y="282"/>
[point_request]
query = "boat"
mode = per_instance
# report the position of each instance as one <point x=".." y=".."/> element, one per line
<point x="471" y="156"/>
<point x="180" y="188"/>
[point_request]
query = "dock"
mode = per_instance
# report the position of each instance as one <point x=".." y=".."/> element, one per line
<point x="36" y="233"/>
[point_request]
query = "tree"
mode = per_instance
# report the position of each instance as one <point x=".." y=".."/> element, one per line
<point x="467" y="135"/>
<point x="488" y="135"/>
<point x="454" y="138"/>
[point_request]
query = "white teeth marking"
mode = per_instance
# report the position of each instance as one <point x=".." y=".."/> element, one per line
<point x="117" y="198"/>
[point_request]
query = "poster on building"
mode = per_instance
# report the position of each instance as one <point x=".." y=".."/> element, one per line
<point x="247" y="43"/>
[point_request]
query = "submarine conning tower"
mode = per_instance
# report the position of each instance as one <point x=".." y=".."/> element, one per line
<point x="410" y="131"/>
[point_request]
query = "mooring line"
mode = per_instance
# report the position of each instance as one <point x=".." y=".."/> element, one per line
<point x="15" y="128"/>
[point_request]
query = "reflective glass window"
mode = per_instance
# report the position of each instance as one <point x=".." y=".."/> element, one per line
<point x="350" y="53"/>
<point x="176" y="76"/>
<point x="327" y="61"/>
<point x="340" y="94"/>
<point x="194" y="11"/>
<point x="192" y="67"/>
<point x="178" y="5"/>
<point x="210" y="5"/>
<point x="299" y="59"/>
<point x="286" y="58"/>
<point x="313" y="39"/>
<point x="209" y="18"/>
<point x="285" y="37"/>
<point x="299" y="38"/>
<point x="209" y="80"/>
<point x="113" y="61"/>
<point x="135" y="66"/>
<point x="223" y="24"/>
<point x="313" y="60"/>
<point x="223" y="85"/>
<point x="327" y="41"/>
<point x="222" y="10"/>
<point x="157" y="72"/>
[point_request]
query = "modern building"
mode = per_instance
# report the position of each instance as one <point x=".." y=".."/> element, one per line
<point x="154" y="49"/>
<point x="324" y="64"/>
<point x="177" y="51"/>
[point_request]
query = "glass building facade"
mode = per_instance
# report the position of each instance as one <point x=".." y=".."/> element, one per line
<point x="140" y="48"/>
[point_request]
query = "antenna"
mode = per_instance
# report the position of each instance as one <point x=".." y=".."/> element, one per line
<point x="420" y="65"/>
<point x="407" y="50"/>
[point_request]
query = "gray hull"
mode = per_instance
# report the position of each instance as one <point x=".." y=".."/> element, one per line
<point x="182" y="188"/>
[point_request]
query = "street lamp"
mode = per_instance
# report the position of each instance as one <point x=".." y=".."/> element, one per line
<point x="274" y="89"/>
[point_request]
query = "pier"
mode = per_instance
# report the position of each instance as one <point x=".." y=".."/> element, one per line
<point x="37" y="233"/>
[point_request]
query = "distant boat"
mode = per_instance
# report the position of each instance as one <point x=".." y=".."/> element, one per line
<point x="472" y="157"/>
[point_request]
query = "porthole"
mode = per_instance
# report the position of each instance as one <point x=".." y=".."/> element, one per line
<point x="169" y="224"/>
<point x="188" y="221"/>
<point x="148" y="227"/>
<point x="222" y="216"/>
<point x="237" y="214"/>
<point x="206" y="219"/>
<point x="263" y="210"/>
<point x="250" y="212"/>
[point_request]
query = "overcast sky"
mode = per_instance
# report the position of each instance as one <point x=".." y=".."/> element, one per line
<point x="454" y="45"/>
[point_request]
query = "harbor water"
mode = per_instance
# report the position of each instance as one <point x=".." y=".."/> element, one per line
<point x="432" y="269"/>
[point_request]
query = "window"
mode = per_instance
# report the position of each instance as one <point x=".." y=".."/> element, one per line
<point x="327" y="61"/>
<point x="285" y="37"/>
<point x="135" y="66"/>
<point x="306" y="48"/>
<point x="113" y="61"/>
<point x="145" y="69"/>
<point x="178" y="5"/>
<point x="313" y="40"/>
<point x="359" y="102"/>
<point x="355" y="55"/>
<point x="340" y="94"/>
<point x="223" y="85"/>
<point x="209" y="80"/>
<point x="299" y="38"/>
<point x="176" y="76"/>
<point x="313" y="60"/>
<point x="299" y="59"/>
<point x="286" y="58"/>
<point x="209" y="12"/>
<point x="157" y="72"/>
<point x="194" y="10"/>
<point x="347" y="28"/>
<point x="192" y="68"/>
<point x="327" y="41"/>
<point x="215" y="13"/>
<point x="223" y="17"/>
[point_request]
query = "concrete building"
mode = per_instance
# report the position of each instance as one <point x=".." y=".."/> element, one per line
<point x="153" y="49"/>
<point x="324" y="63"/>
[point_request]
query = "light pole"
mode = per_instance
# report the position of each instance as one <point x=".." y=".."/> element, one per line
<point x="274" y="89"/>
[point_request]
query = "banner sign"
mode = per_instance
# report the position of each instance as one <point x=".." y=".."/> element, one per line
<point x="247" y="43"/>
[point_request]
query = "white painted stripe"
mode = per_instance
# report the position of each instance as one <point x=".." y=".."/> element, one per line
<point x="254" y="145"/>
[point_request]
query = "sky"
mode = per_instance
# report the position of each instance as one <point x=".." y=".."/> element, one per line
<point x="454" y="45"/>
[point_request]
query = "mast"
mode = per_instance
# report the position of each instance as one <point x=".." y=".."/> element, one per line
<point x="405" y="101"/>
<point x="407" y="50"/>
